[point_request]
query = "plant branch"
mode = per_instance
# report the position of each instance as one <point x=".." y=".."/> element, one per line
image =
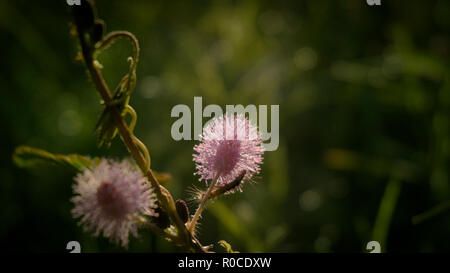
<point x="156" y="229"/>
<point x="163" y="195"/>
<point x="202" y="204"/>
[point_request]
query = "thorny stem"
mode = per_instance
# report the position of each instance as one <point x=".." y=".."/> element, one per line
<point x="203" y="203"/>
<point x="162" y="193"/>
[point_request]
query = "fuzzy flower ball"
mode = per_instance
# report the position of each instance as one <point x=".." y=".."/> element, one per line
<point x="229" y="145"/>
<point x="108" y="198"/>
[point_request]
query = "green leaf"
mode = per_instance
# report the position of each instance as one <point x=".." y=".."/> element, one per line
<point x="227" y="246"/>
<point x="106" y="128"/>
<point x="29" y="157"/>
<point x="386" y="211"/>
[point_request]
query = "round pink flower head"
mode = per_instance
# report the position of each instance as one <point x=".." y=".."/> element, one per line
<point x="229" y="145"/>
<point x="109" y="197"/>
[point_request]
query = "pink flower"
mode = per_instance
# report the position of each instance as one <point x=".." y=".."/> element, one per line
<point x="229" y="145"/>
<point x="109" y="197"/>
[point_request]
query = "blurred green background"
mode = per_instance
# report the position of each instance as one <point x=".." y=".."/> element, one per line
<point x="364" y="97"/>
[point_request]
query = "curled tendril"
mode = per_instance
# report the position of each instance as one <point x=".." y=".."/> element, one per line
<point x="129" y="110"/>
<point x="102" y="45"/>
<point x="112" y="37"/>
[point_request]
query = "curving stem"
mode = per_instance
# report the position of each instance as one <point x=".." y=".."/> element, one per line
<point x="162" y="193"/>
<point x="203" y="203"/>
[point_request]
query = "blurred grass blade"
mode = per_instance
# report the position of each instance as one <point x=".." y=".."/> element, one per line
<point x="441" y="208"/>
<point x="29" y="157"/>
<point x="385" y="212"/>
<point x="232" y="224"/>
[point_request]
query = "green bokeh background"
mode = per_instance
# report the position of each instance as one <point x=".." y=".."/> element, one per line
<point x="364" y="97"/>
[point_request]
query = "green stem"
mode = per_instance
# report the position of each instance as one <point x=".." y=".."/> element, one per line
<point x="156" y="229"/>
<point x="132" y="112"/>
<point x="202" y="204"/>
<point x="163" y="195"/>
